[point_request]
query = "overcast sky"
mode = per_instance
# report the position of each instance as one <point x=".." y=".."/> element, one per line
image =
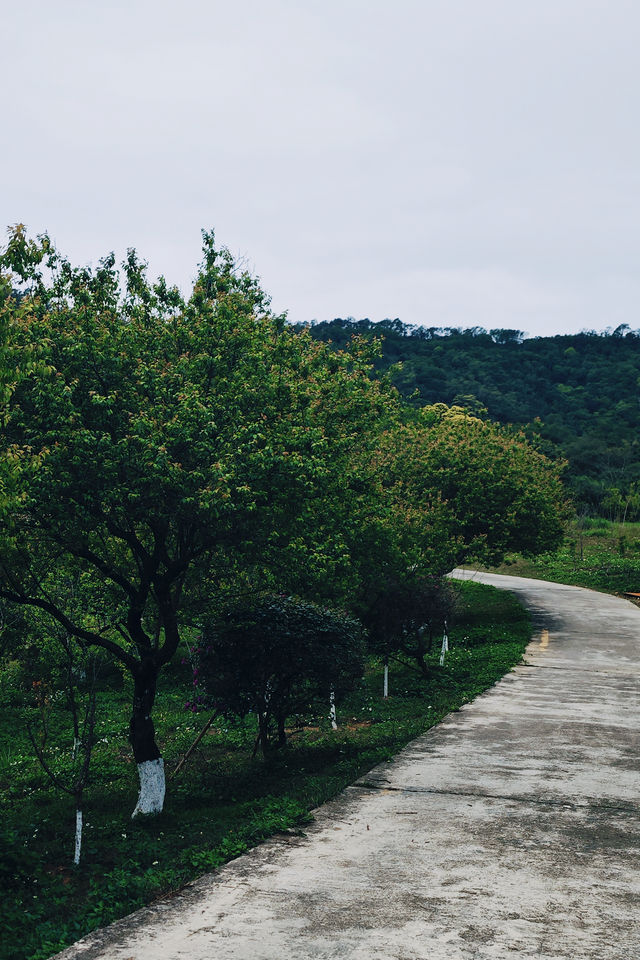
<point x="448" y="162"/>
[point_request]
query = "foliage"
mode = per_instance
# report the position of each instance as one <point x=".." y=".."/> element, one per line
<point x="455" y="488"/>
<point x="603" y="555"/>
<point x="153" y="449"/>
<point x="275" y="656"/>
<point x="405" y="614"/>
<point x="575" y="395"/>
<point x="468" y="488"/>
<point x="223" y="802"/>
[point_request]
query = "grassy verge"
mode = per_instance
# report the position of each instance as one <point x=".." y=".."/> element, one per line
<point x="598" y="554"/>
<point x="223" y="802"/>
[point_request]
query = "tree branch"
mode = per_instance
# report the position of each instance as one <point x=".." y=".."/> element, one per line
<point x="83" y="552"/>
<point x="94" y="639"/>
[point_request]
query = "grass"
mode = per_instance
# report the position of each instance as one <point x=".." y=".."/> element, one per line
<point x="223" y="802"/>
<point x="596" y="553"/>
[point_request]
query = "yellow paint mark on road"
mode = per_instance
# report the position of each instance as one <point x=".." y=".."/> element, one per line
<point x="544" y="639"/>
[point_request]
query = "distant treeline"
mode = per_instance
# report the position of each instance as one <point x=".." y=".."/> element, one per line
<point x="578" y="394"/>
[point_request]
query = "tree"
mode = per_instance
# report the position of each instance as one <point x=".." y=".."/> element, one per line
<point x="153" y="449"/>
<point x="455" y="489"/>
<point x="79" y="684"/>
<point x="485" y="485"/>
<point x="405" y="613"/>
<point x="274" y="655"/>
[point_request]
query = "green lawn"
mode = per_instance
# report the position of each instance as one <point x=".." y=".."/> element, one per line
<point x="223" y="802"/>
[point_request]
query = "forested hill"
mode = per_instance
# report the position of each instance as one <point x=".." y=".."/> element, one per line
<point x="579" y="393"/>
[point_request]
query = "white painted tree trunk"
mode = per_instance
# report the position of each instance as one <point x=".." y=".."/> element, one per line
<point x="76" y="857"/>
<point x="332" y="710"/>
<point x="152" y="787"/>
<point x="445" y="648"/>
<point x="385" y="682"/>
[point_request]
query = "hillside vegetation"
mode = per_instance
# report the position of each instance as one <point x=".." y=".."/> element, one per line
<point x="577" y="395"/>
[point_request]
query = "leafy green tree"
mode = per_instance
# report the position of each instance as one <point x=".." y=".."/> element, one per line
<point x="154" y="449"/>
<point x="456" y="488"/>
<point x="275" y="655"/>
<point x="622" y="504"/>
<point x="490" y="491"/>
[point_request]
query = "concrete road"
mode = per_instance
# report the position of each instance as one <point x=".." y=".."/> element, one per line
<point x="510" y="830"/>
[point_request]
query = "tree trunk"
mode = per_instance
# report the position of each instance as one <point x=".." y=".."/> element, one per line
<point x="424" y="668"/>
<point x="424" y="640"/>
<point x="142" y="739"/>
<point x="263" y="725"/>
<point x="76" y="856"/>
<point x="445" y="646"/>
<point x="332" y="709"/>
<point x="282" y="735"/>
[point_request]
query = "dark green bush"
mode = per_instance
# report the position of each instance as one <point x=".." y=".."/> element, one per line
<point x="276" y="655"/>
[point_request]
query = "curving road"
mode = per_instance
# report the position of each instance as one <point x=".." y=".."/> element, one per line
<point x="511" y="830"/>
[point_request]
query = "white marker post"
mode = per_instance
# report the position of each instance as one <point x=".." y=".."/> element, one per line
<point x="385" y="682"/>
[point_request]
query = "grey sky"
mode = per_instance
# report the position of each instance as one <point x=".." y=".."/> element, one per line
<point x="448" y="162"/>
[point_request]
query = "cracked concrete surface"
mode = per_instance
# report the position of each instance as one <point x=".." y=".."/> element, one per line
<point x="512" y="829"/>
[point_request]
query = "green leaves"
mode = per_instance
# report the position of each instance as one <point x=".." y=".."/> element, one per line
<point x="153" y="444"/>
<point x="467" y="488"/>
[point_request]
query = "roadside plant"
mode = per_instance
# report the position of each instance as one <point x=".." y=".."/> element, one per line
<point x="471" y="489"/>
<point x="404" y="615"/>
<point x="77" y="679"/>
<point x="276" y="655"/>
